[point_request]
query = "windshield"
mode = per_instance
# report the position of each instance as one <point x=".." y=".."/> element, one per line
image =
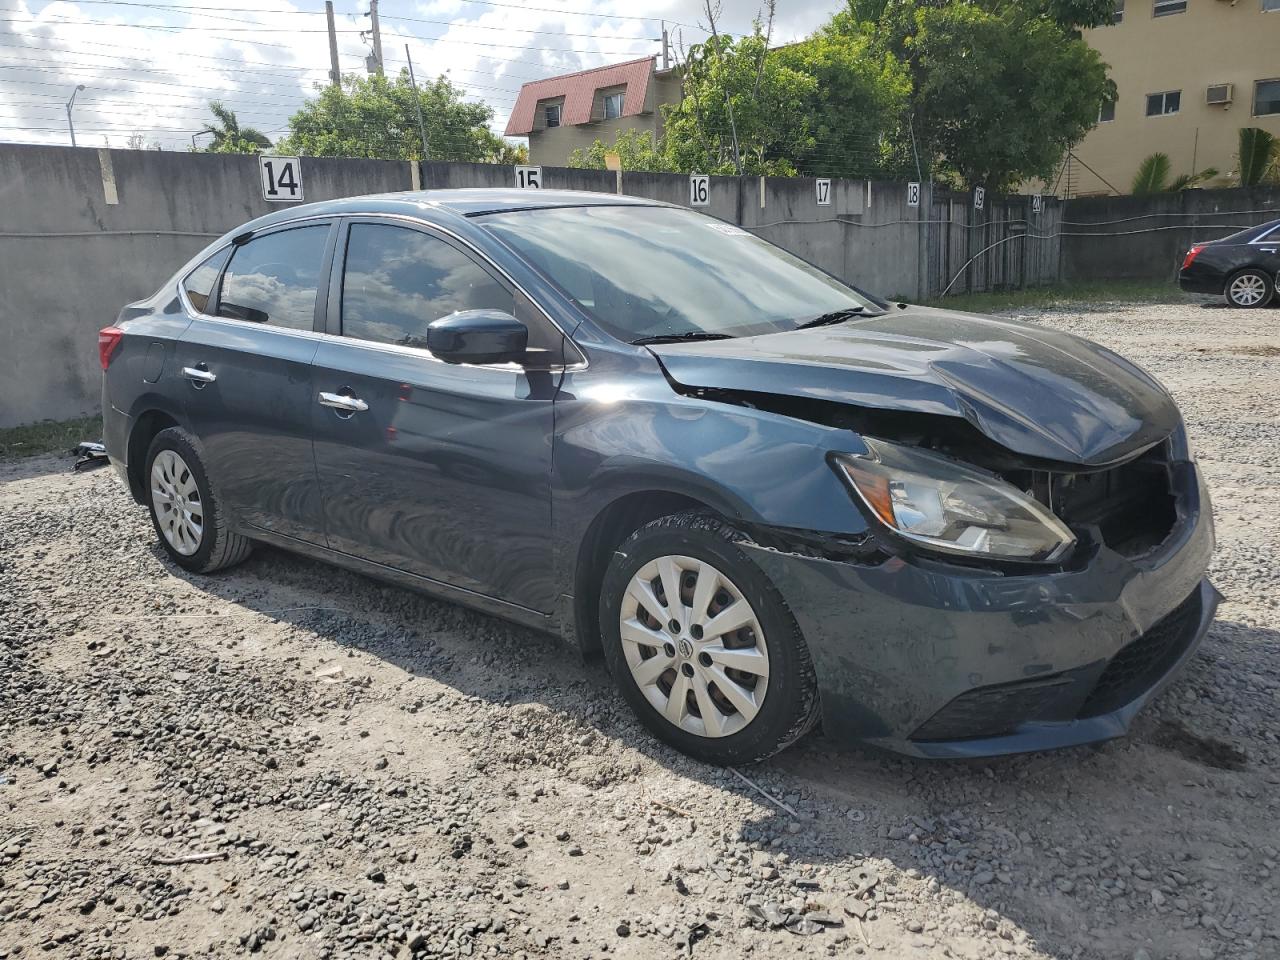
<point x="658" y="272"/>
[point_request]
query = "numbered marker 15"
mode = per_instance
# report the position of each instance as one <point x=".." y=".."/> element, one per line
<point x="529" y="178"/>
<point x="699" y="190"/>
<point x="281" y="178"/>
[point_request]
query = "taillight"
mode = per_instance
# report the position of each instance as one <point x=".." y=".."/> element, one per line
<point x="1192" y="254"/>
<point x="108" y="339"/>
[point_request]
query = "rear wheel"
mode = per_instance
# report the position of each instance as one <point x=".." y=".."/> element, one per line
<point x="702" y="646"/>
<point x="1250" y="288"/>
<point x="183" y="509"/>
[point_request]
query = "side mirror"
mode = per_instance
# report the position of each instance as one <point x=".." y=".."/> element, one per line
<point x="478" y="336"/>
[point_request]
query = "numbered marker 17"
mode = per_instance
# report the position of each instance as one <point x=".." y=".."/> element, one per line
<point x="281" y="178"/>
<point x="824" y="193"/>
<point x="699" y="190"/>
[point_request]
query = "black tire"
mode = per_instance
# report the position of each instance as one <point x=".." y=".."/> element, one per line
<point x="790" y="705"/>
<point x="219" y="547"/>
<point x="1268" y="284"/>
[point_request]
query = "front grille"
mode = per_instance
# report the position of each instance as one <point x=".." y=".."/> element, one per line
<point x="1140" y="664"/>
<point x="1131" y="506"/>
<point x="991" y="711"/>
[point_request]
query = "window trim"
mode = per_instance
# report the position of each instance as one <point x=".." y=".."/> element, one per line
<point x="1262" y="237"/>
<point x="1272" y="9"/>
<point x="332" y="329"/>
<point x="558" y="107"/>
<point x="185" y="300"/>
<point x="1103" y="105"/>
<point x="1155" y="8"/>
<point x="1117" y="12"/>
<point x="621" y="95"/>
<point x="1163" y="94"/>
<point x="1253" y="106"/>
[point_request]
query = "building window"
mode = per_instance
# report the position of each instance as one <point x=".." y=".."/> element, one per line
<point x="551" y="114"/>
<point x="1271" y="6"/>
<point x="1167" y="8"/>
<point x="1266" y="98"/>
<point x="1117" y="15"/>
<point x="1163" y="104"/>
<point x="1107" y="112"/>
<point x="612" y="106"/>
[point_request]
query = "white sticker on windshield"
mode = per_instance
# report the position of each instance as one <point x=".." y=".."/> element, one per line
<point x="728" y="229"/>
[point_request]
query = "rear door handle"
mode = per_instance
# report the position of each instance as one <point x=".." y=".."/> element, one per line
<point x="198" y="376"/>
<point x="340" y="402"/>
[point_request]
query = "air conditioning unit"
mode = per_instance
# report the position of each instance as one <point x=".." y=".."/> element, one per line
<point x="1219" y="94"/>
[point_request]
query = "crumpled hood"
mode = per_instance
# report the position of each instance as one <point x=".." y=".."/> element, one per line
<point x="1033" y="390"/>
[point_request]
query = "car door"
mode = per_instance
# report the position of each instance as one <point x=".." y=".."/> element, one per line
<point x="1267" y="245"/>
<point x="247" y="367"/>
<point x="442" y="470"/>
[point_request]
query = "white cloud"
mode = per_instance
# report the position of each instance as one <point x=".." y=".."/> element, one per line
<point x="150" y="68"/>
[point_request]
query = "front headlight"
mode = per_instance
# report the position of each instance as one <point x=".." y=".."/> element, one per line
<point x="950" y="507"/>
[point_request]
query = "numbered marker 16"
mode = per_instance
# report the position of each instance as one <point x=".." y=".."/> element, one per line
<point x="529" y="178"/>
<point x="824" y="193"/>
<point x="699" y="190"/>
<point x="281" y="178"/>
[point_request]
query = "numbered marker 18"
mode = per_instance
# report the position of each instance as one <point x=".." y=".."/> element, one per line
<point x="529" y="178"/>
<point x="699" y="190"/>
<point x="913" y="194"/>
<point x="824" y="193"/>
<point x="281" y="178"/>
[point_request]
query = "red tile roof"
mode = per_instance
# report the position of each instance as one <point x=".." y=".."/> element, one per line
<point x="579" y="92"/>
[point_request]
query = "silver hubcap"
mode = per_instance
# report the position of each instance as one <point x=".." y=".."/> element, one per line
<point x="1248" y="290"/>
<point x="175" y="498"/>
<point x="694" y="646"/>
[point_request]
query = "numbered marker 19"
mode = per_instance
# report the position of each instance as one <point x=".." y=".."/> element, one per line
<point x="979" y="197"/>
<point x="529" y="178"/>
<point x="281" y="178"/>
<point x="824" y="193"/>
<point x="913" y="194"/>
<point x="699" y="190"/>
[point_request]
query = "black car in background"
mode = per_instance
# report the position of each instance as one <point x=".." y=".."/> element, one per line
<point x="1242" y="267"/>
<point x="765" y="496"/>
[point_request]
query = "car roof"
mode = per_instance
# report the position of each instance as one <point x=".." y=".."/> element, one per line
<point x="443" y="205"/>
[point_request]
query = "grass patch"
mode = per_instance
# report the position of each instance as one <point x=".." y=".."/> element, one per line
<point x="1064" y="295"/>
<point x="48" y="436"/>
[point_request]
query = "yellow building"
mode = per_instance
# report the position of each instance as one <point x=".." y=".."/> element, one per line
<point x="1189" y="75"/>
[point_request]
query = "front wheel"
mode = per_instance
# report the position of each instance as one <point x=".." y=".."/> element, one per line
<point x="1250" y="288"/>
<point x="701" y="644"/>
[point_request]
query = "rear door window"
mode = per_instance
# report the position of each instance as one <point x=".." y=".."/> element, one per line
<point x="273" y="279"/>
<point x="397" y="281"/>
<point x="198" y="284"/>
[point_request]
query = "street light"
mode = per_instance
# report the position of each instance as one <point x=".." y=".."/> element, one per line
<point x="71" y="126"/>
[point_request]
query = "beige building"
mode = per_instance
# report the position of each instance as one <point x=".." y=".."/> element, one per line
<point x="1189" y="74"/>
<point x="562" y="114"/>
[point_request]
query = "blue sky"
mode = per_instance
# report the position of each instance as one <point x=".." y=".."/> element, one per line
<point x="149" y="67"/>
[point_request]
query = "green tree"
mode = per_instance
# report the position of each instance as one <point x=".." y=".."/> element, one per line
<point x="1259" y="151"/>
<point x="1153" y="176"/>
<point x="997" y="96"/>
<point x="229" y="136"/>
<point x="743" y="110"/>
<point x="636" y="149"/>
<point x="376" y="117"/>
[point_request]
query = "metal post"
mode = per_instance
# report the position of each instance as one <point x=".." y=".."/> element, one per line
<point x="335" y="73"/>
<point x="377" y="34"/>
<point x="70" y="124"/>
<point x="665" y="46"/>
<point x="417" y="103"/>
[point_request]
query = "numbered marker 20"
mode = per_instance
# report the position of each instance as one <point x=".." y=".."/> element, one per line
<point x="529" y="178"/>
<point x="281" y="178"/>
<point x="824" y="193"/>
<point x="699" y="190"/>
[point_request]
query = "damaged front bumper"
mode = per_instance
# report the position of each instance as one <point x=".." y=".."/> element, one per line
<point x="940" y="661"/>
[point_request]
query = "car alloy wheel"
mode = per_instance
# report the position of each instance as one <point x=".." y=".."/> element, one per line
<point x="1249" y="289"/>
<point x="175" y="497"/>
<point x="694" y="646"/>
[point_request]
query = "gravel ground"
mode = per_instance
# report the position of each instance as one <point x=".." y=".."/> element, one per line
<point x="294" y="761"/>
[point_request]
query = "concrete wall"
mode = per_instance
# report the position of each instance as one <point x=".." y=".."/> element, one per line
<point x="70" y="257"/>
<point x="1145" y="238"/>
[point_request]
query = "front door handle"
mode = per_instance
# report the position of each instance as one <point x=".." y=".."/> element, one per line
<point x="340" y="402"/>
<point x="198" y="376"/>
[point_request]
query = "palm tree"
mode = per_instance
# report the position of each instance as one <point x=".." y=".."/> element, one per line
<point x="229" y="136"/>
<point x="1153" y="177"/>
<point x="1258" y="149"/>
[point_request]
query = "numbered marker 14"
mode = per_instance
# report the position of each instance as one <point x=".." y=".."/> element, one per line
<point x="281" y="178"/>
<point x="699" y="190"/>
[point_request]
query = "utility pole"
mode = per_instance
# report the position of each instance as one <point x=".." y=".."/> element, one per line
<point x="417" y="102"/>
<point x="71" y="126"/>
<point x="335" y="74"/>
<point x="665" y="46"/>
<point x="377" y="37"/>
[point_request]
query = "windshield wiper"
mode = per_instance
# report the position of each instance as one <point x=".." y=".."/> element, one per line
<point x="681" y="337"/>
<point x="835" y="316"/>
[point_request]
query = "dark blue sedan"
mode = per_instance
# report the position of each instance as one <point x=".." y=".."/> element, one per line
<point x="768" y="498"/>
